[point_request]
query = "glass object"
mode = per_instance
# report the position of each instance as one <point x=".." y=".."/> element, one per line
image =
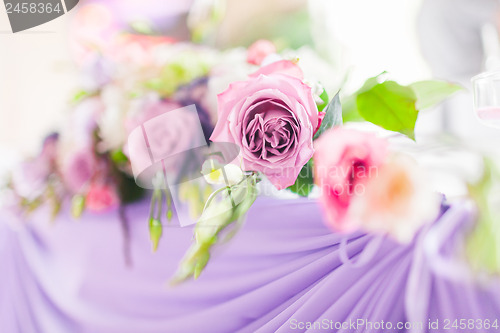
<point x="486" y="88"/>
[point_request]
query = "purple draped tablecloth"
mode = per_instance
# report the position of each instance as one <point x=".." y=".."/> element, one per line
<point x="283" y="272"/>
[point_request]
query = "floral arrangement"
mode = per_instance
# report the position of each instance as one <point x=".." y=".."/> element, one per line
<point x="283" y="122"/>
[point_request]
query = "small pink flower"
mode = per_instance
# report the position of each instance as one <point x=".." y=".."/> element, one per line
<point x="259" y="50"/>
<point x="321" y="116"/>
<point x="286" y="67"/>
<point x="101" y="198"/>
<point x="344" y="161"/>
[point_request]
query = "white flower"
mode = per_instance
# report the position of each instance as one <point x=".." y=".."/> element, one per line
<point x="232" y="66"/>
<point x="112" y="120"/>
<point x="315" y="68"/>
<point x="217" y="174"/>
<point x="398" y="201"/>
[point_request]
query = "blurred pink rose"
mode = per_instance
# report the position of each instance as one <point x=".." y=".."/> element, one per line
<point x="49" y="148"/>
<point x="135" y="49"/>
<point x="30" y="178"/>
<point x="147" y="109"/>
<point x="160" y="131"/>
<point x="76" y="157"/>
<point x="272" y="117"/>
<point x="101" y="198"/>
<point x="345" y="160"/>
<point x="96" y="23"/>
<point x="78" y="168"/>
<point x="286" y="67"/>
<point x="259" y="50"/>
<point x="170" y="128"/>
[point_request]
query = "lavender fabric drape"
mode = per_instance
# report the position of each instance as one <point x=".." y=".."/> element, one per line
<point x="283" y="270"/>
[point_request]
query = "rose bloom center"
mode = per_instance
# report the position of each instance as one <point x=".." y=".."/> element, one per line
<point x="271" y="129"/>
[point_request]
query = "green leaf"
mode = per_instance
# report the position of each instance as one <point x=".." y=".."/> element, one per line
<point x="390" y="106"/>
<point x="432" y="92"/>
<point x="333" y="116"/>
<point x="118" y="157"/>
<point x="305" y="182"/>
<point x="370" y="83"/>
<point x="324" y="99"/>
<point x="393" y="106"/>
<point x="179" y="71"/>
<point x="350" y="109"/>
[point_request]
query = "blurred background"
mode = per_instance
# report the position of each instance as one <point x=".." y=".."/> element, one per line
<point x="412" y="40"/>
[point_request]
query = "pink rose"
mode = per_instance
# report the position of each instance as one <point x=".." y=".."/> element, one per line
<point x="259" y="50"/>
<point x="76" y="158"/>
<point x="78" y="168"/>
<point x="345" y="160"/>
<point x="100" y="198"/>
<point x="272" y="117"/>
